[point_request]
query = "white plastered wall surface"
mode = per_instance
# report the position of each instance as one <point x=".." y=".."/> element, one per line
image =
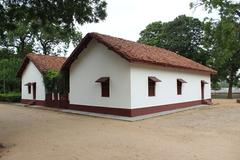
<point x="92" y="63"/>
<point x="32" y="74"/>
<point x="166" y="91"/>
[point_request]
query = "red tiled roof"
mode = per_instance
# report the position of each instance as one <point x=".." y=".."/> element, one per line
<point x="137" y="52"/>
<point x="42" y="62"/>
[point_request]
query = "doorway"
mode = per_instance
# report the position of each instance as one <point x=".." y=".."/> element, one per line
<point x="202" y="89"/>
<point x="34" y="90"/>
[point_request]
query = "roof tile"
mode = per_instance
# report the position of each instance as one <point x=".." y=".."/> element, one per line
<point x="42" y="62"/>
<point x="137" y="52"/>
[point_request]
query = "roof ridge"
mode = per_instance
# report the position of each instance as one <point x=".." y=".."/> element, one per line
<point x="155" y="47"/>
<point x="39" y="54"/>
<point x="138" y="52"/>
<point x="42" y="62"/>
<point x="147" y="45"/>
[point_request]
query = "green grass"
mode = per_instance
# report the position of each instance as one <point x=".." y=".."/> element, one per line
<point x="10" y="97"/>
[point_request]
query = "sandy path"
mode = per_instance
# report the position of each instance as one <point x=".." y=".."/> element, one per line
<point x="209" y="133"/>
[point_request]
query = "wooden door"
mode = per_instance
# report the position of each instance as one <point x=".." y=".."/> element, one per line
<point x="34" y="90"/>
<point x="202" y="90"/>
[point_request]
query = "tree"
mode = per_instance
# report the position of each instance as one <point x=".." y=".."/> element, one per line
<point x="151" y="35"/>
<point x="50" y="80"/>
<point x="21" y="39"/>
<point x="183" y="35"/>
<point x="226" y="8"/>
<point x="3" y="20"/>
<point x="55" y="39"/>
<point x="9" y="64"/>
<point x="46" y="25"/>
<point x="6" y="53"/>
<point x="225" y="49"/>
<point x="58" y="12"/>
<point x="223" y="39"/>
<point x="9" y="82"/>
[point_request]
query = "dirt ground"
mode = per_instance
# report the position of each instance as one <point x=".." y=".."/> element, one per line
<point x="207" y="133"/>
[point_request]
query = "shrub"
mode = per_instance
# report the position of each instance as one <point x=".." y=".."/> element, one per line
<point x="55" y="82"/>
<point x="50" y="80"/>
<point x="10" y="97"/>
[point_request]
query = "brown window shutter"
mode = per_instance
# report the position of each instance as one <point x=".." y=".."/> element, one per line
<point x="179" y="87"/>
<point x="105" y="89"/>
<point x="151" y="87"/>
<point x="151" y="91"/>
<point x="104" y="86"/>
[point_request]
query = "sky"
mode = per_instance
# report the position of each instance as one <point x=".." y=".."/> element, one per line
<point x="127" y="18"/>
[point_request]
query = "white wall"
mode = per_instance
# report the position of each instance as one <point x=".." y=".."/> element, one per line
<point x="32" y="74"/>
<point x="166" y="91"/>
<point x="94" y="62"/>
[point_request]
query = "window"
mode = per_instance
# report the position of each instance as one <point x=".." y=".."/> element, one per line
<point x="151" y="88"/>
<point x="29" y="87"/>
<point x="179" y="86"/>
<point x="151" y="85"/>
<point x="104" y="86"/>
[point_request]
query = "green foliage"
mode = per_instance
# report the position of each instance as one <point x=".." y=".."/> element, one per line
<point x="8" y="80"/>
<point x="152" y="33"/>
<point x="21" y="39"/>
<point x="46" y="26"/>
<point x="3" y="20"/>
<point x="226" y="8"/>
<point x="61" y="12"/>
<point x="222" y="39"/>
<point x="50" y="80"/>
<point x="55" y="39"/>
<point x="63" y="82"/>
<point x="216" y="86"/>
<point x="10" y="97"/>
<point x="183" y="35"/>
<point x="6" y="54"/>
<point x="76" y="38"/>
<point x="238" y="84"/>
<point x="56" y="82"/>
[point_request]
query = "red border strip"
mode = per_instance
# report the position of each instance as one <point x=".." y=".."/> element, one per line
<point x="135" y="112"/>
<point x="37" y="102"/>
<point x="125" y="112"/>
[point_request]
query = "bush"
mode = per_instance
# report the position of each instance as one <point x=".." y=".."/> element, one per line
<point x="50" y="80"/>
<point x="10" y="97"/>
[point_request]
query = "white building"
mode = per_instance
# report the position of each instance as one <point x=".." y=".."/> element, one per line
<point x="31" y="73"/>
<point x="115" y="76"/>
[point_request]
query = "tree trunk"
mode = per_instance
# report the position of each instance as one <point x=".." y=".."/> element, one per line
<point x="230" y="90"/>
<point x="44" y="50"/>
<point x="230" y="85"/>
<point x="22" y="47"/>
<point x="44" y="47"/>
